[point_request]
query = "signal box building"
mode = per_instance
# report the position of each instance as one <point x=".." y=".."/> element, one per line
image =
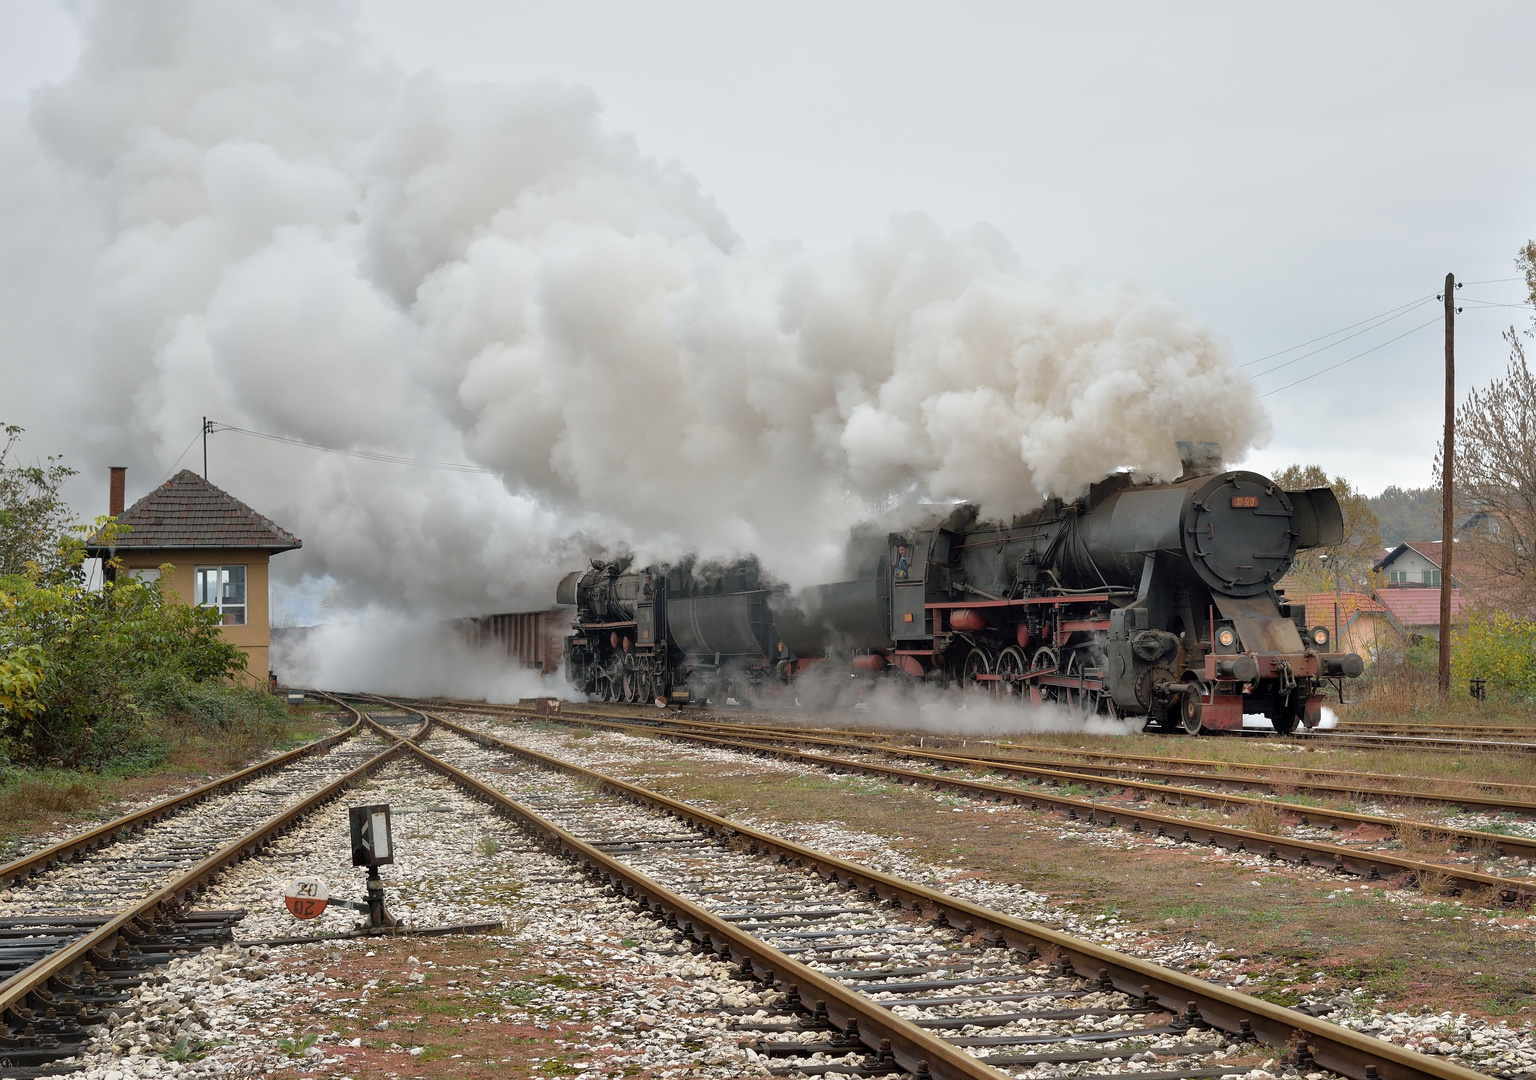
<point x="218" y="550"/>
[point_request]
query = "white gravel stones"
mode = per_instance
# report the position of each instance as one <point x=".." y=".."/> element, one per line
<point x="1502" y="1048"/>
<point x="890" y="958"/>
<point x="133" y="867"/>
<point x="22" y="846"/>
<point x="616" y="991"/>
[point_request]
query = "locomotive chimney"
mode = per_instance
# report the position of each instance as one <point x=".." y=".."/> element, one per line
<point x="115" y="490"/>
<point x="1199" y="458"/>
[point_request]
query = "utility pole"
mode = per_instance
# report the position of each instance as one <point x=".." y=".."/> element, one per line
<point x="206" y="426"/>
<point x="1448" y="486"/>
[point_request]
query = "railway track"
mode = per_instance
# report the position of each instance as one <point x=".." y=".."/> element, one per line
<point x="1363" y="861"/>
<point x="1431" y="727"/>
<point x="83" y="921"/>
<point x="877" y="975"/>
<point x="882" y="975"/>
<point x="1430" y="743"/>
<point x="1242" y="777"/>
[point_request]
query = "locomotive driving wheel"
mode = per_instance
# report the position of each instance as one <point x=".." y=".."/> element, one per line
<point x="1188" y="708"/>
<point x="604" y="689"/>
<point x="630" y="686"/>
<point x="1046" y="659"/>
<point x="1011" y="666"/>
<point x="976" y="664"/>
<point x="1084" y="701"/>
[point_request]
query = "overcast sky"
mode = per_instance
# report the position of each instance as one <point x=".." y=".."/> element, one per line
<point x="1282" y="172"/>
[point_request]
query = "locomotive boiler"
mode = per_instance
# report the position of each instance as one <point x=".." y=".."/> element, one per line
<point x="1138" y="599"/>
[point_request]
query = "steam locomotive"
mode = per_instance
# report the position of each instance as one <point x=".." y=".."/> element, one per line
<point x="1152" y="600"/>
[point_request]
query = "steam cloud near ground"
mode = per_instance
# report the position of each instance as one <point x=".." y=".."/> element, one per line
<point x="244" y="210"/>
<point x="381" y="652"/>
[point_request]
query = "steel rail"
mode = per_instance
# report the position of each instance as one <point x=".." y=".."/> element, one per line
<point x="81" y="843"/>
<point x="1305" y="778"/>
<point x="169" y="898"/>
<point x="1424" y="742"/>
<point x="1372" y="865"/>
<point x="879" y="1029"/>
<point x="1516" y="845"/>
<point x="1435" y="725"/>
<point x="1507" y="844"/>
<point x="875" y="741"/>
<point x="1344" y="1051"/>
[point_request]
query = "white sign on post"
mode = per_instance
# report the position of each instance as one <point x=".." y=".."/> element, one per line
<point x="306" y="897"/>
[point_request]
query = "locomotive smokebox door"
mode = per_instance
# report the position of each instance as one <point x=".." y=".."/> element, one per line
<point x="373" y="843"/>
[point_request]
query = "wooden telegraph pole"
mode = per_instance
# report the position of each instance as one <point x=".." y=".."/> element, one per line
<point x="1447" y="486"/>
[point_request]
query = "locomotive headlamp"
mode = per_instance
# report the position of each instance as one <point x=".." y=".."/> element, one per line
<point x="1225" y="639"/>
<point x="1319" y="636"/>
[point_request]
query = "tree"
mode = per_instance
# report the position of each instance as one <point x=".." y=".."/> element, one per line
<point x="1407" y="514"/>
<point x="1526" y="262"/>
<point x="34" y="519"/>
<point x="1496" y="478"/>
<point x="1347" y="564"/>
<point x="78" y="665"/>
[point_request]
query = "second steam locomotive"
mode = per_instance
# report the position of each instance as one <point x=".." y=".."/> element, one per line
<point x="1155" y="600"/>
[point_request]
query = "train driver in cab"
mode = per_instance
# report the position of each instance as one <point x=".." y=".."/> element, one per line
<point x="903" y="564"/>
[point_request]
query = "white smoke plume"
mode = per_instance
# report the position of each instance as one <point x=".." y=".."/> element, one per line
<point x="380" y="651"/>
<point x="244" y="210"/>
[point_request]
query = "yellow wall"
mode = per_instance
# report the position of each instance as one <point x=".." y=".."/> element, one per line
<point x="255" y="637"/>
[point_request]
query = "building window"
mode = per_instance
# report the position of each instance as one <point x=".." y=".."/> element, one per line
<point x="223" y="587"/>
<point x="1431" y="577"/>
<point x="147" y="576"/>
<point x="1397" y="577"/>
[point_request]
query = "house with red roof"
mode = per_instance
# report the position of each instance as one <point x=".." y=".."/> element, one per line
<point x="213" y="550"/>
<point x="1417" y="609"/>
<point x="1412" y="591"/>
<point x="1414" y="563"/>
<point x="1356" y="622"/>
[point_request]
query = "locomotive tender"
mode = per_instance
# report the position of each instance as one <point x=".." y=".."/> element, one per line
<point x="1139" y="599"/>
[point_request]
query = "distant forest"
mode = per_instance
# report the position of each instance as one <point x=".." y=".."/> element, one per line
<point x="1407" y="514"/>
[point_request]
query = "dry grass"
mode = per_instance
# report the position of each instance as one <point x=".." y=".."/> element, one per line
<point x="1262" y="817"/>
<point x="1431" y="882"/>
<point x="1421" y="839"/>
<point x="64" y="796"/>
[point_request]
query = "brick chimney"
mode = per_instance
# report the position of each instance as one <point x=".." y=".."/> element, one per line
<point x="115" y="489"/>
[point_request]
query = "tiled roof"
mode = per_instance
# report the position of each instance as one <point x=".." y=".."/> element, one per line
<point x="188" y="512"/>
<point x="1350" y="605"/>
<point x="1420" y="606"/>
<point x="1430" y="549"/>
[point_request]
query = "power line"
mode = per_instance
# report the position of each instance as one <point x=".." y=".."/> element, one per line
<point x="179" y="456"/>
<point x="367" y="455"/>
<point x="1357" y="356"/>
<point x="1357" y="333"/>
<point x="1394" y="312"/>
<point x="1492" y="303"/>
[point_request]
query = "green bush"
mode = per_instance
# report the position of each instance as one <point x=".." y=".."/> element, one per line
<point x="1498" y="647"/>
<point x="84" y="666"/>
<point x="87" y="675"/>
